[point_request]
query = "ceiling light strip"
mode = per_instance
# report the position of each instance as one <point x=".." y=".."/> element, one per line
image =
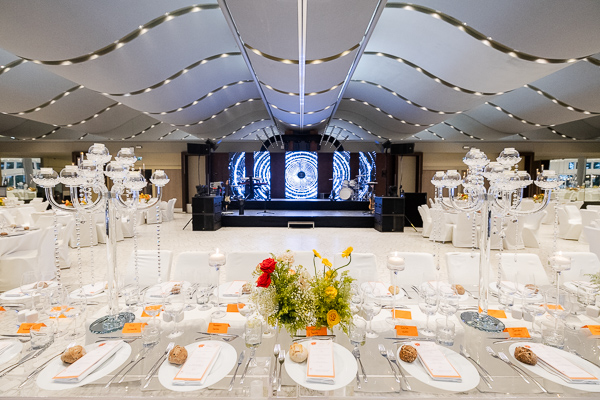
<point x="305" y="113"/>
<point x="560" y="103"/>
<point x="193" y="103"/>
<point x="83" y="136"/>
<point x="461" y="131"/>
<point x="45" y="135"/>
<point x="96" y="115"/>
<point x="167" y="134"/>
<point x="435" y="134"/>
<point x="11" y="65"/>
<point x="216" y="114"/>
<point x="486" y="40"/>
<point x="242" y="127"/>
<point x="513" y="116"/>
<point x="432" y="76"/>
<point x="117" y="44"/>
<point x="593" y="61"/>
<point x="175" y="76"/>
<point x="366" y="103"/>
<point x="298" y="94"/>
<point x="308" y="62"/>
<point x="562" y="135"/>
<point x="360" y="127"/>
<point x="46" y="104"/>
<point x="412" y="103"/>
<point x="142" y="131"/>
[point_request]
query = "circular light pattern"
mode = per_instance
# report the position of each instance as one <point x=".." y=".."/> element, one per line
<point x="341" y="171"/>
<point x="366" y="168"/>
<point x="295" y="186"/>
<point x="237" y="172"/>
<point x="262" y="170"/>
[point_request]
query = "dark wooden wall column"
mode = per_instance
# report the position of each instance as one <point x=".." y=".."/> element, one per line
<point x="325" y="168"/>
<point x="278" y="175"/>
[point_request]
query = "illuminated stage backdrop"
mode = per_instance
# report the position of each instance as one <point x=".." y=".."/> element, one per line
<point x="237" y="172"/>
<point x="301" y="175"/>
<point x="341" y="171"/>
<point x="262" y="170"/>
<point x="366" y="170"/>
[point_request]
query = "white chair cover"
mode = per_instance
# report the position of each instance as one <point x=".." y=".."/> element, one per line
<point x="241" y="264"/>
<point x="127" y="224"/>
<point x="582" y="263"/>
<point x="7" y="218"/>
<point x="514" y="265"/>
<point x="152" y="217"/>
<point x="148" y="267"/>
<point x="363" y="267"/>
<point x="418" y="268"/>
<point x="463" y="268"/>
<point x="462" y="232"/>
<point x="24" y="215"/>
<point x="569" y="222"/>
<point x="531" y="228"/>
<point x="192" y="266"/>
<point x="426" y="217"/>
<point x="40" y="206"/>
<point x="87" y="238"/>
<point x="593" y="238"/>
<point x="168" y="213"/>
<point x="587" y="216"/>
<point x="442" y="225"/>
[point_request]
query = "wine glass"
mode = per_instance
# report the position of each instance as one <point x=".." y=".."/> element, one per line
<point x="355" y="298"/>
<point x="189" y="296"/>
<point x="395" y="264"/>
<point x="30" y="282"/>
<point x="173" y="306"/>
<point x="132" y="297"/>
<point x="534" y="306"/>
<point x="448" y="303"/>
<point x="76" y="311"/>
<point x="152" y="307"/>
<point x="371" y="307"/>
<point x="557" y="304"/>
<point x="428" y="304"/>
<point x="253" y="336"/>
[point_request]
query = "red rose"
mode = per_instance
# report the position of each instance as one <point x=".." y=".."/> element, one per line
<point x="268" y="265"/>
<point x="264" y="280"/>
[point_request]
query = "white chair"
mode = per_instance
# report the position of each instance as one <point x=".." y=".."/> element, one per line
<point x="7" y="218"/>
<point x="24" y="215"/>
<point x="527" y="204"/>
<point x="127" y="224"/>
<point x="148" y="267"/>
<point x="363" y="267"/>
<point x="152" y="217"/>
<point x="140" y="218"/>
<point x="188" y="208"/>
<point x="63" y="243"/>
<point x="241" y="264"/>
<point x="531" y="228"/>
<point x="192" y="266"/>
<point x="549" y="218"/>
<point x="101" y="228"/>
<point x="513" y="238"/>
<point x="462" y="232"/>
<point x="582" y="263"/>
<point x="593" y="238"/>
<point x="418" y="268"/>
<point x="442" y="225"/>
<point x="426" y="217"/>
<point x="593" y="207"/>
<point x="168" y="214"/>
<point x="587" y="216"/>
<point x="463" y="268"/>
<point x="513" y="265"/>
<point x="40" y="206"/>
<point x="36" y="200"/>
<point x="569" y="222"/>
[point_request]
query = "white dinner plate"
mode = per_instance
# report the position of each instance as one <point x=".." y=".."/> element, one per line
<point x="461" y="297"/>
<point x="44" y="379"/>
<point x="468" y="373"/>
<point x="77" y="293"/>
<point x="156" y="289"/>
<point x="228" y="299"/>
<point x="385" y="299"/>
<point x="20" y="295"/>
<point x="11" y="352"/>
<point x="494" y="289"/>
<point x="541" y="372"/>
<point x="345" y="370"/>
<point x="223" y="365"/>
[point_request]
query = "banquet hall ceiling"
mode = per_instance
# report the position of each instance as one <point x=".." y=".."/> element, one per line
<point x="237" y="70"/>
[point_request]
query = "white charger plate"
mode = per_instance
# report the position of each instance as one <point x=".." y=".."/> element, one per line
<point x="77" y="293"/>
<point x="345" y="369"/>
<point x="494" y="289"/>
<point x="228" y="299"/>
<point x="11" y="352"/>
<point x="223" y="365"/>
<point x="22" y="295"/>
<point x="541" y="372"/>
<point x="44" y="379"/>
<point x="468" y="373"/>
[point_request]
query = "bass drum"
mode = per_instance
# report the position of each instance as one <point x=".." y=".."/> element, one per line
<point x="346" y="193"/>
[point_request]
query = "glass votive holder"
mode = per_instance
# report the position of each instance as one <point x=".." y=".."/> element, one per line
<point x="357" y="331"/>
<point x="150" y="335"/>
<point x="553" y="333"/>
<point x="445" y="332"/>
<point x="41" y="337"/>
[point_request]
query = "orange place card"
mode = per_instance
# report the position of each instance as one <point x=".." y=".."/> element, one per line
<point x="234" y="307"/>
<point x="595" y="329"/>
<point x="402" y="330"/>
<point x="520" y="332"/>
<point x="151" y="308"/>
<point x="495" y="313"/>
<point x="553" y="307"/>
<point x="2" y="309"/>
<point x="133" y="327"/>
<point x="402" y="314"/>
<point x="215" y="327"/>
<point x="26" y="327"/>
<point x="312" y="331"/>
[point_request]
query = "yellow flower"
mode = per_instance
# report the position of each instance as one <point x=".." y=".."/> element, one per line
<point x="328" y="274"/>
<point x="326" y="262"/>
<point x="333" y="318"/>
<point x="316" y="253"/>
<point x="331" y="292"/>
<point x="346" y="253"/>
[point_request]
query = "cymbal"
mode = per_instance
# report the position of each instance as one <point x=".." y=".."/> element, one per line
<point x="371" y="183"/>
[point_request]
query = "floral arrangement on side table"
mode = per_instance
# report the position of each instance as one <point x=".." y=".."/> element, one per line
<point x="538" y="198"/>
<point x="144" y="197"/>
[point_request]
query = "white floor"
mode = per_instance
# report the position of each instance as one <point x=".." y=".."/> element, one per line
<point x="326" y="240"/>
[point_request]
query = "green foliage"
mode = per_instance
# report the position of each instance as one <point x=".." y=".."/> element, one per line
<point x="325" y="301"/>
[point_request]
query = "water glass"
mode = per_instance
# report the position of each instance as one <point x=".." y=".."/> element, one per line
<point x="428" y="304"/>
<point x="358" y="331"/>
<point x="150" y="335"/>
<point x="253" y="336"/>
<point x="553" y="333"/>
<point x="445" y="332"/>
<point x="534" y="306"/>
<point x="173" y="306"/>
<point x="41" y="337"/>
<point x="371" y="307"/>
<point x="203" y="296"/>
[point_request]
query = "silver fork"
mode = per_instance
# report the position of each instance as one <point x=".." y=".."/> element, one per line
<point x="481" y="374"/>
<point x="392" y="358"/>
<point x="356" y="354"/>
<point x="281" y="360"/>
<point x="405" y="292"/>
<point x="493" y="354"/>
<point x="464" y="352"/>
<point x="383" y="353"/>
<point x="156" y="365"/>
<point x="23" y="360"/>
<point x="416" y="289"/>
<point x="276" y="351"/>
<point x="504" y="358"/>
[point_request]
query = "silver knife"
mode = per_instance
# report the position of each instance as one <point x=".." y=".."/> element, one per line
<point x="144" y="354"/>
<point x="239" y="362"/>
<point x="245" y="370"/>
<point x="37" y="370"/>
<point x="24" y="360"/>
<point x="157" y="365"/>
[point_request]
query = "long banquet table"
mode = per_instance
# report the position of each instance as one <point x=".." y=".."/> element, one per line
<point x="381" y="382"/>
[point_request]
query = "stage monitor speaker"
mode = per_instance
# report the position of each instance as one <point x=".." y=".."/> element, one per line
<point x="198" y="149"/>
<point x="402" y="148"/>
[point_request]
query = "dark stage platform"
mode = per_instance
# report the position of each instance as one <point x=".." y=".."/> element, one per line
<point x="303" y="204"/>
<point x="281" y="218"/>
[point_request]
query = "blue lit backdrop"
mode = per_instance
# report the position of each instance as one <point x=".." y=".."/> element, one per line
<point x="262" y="170"/>
<point x="366" y="170"/>
<point x="237" y="172"/>
<point x="301" y="175"/>
<point x="341" y="171"/>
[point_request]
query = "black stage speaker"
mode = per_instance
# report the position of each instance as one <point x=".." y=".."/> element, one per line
<point x="198" y="148"/>
<point x="402" y="148"/>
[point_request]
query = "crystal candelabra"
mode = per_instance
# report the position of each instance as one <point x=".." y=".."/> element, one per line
<point x="502" y="199"/>
<point x="87" y="179"/>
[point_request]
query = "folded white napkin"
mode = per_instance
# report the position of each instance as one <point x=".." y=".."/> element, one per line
<point x="198" y="365"/>
<point x="437" y="366"/>
<point x="163" y="289"/>
<point x="87" y="364"/>
<point x="320" y="366"/>
<point x="234" y="289"/>
<point x="94" y="288"/>
<point x="552" y="361"/>
<point x="379" y="288"/>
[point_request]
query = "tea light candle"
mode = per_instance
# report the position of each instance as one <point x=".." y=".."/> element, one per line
<point x="216" y="258"/>
<point x="71" y="168"/>
<point x="46" y="171"/>
<point x="394" y="260"/>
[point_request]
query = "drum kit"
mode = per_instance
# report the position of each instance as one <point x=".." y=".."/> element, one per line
<point x="352" y="189"/>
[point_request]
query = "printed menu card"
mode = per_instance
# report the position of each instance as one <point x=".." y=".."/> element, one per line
<point x="565" y="369"/>
<point x="320" y="366"/>
<point x="87" y="364"/>
<point x="234" y="289"/>
<point x="435" y="362"/>
<point x="198" y="365"/>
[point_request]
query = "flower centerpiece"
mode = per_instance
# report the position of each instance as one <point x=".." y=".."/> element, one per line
<point x="68" y="203"/>
<point x="1" y="201"/>
<point x="144" y="197"/>
<point x="282" y="293"/>
<point x="331" y="293"/>
<point x="538" y="198"/>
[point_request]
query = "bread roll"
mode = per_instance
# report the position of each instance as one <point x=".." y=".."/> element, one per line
<point x="408" y="353"/>
<point x="72" y="354"/>
<point x="525" y="355"/>
<point x="459" y="289"/>
<point x="178" y="355"/>
<point x="298" y="353"/>
<point x="394" y="290"/>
